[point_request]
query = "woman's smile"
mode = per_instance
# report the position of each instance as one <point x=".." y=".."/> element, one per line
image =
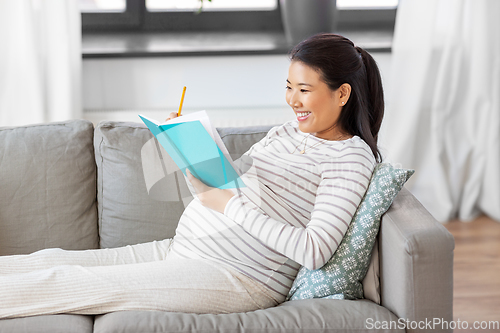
<point x="302" y="116"/>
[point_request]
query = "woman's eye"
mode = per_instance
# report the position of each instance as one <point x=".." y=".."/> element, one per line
<point x="304" y="90"/>
<point x="288" y="88"/>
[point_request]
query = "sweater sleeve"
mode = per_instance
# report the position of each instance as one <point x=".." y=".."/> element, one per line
<point x="338" y="196"/>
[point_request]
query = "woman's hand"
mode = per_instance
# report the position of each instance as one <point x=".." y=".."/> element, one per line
<point x="210" y="197"/>
<point x="172" y="115"/>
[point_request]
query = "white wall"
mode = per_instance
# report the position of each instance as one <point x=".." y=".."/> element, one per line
<point x="235" y="90"/>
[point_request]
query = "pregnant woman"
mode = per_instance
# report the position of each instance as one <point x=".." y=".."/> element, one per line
<point x="236" y="250"/>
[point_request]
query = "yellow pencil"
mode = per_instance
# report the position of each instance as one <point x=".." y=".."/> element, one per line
<point x="182" y="101"/>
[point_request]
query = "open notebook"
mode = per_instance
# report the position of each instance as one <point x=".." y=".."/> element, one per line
<point x="192" y="142"/>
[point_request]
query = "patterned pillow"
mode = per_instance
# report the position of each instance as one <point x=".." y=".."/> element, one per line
<point x="341" y="277"/>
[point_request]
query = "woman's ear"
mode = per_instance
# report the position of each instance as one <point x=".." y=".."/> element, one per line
<point x="344" y="93"/>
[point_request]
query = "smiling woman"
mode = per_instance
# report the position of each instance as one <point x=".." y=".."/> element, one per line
<point x="316" y="105"/>
<point x="236" y="250"/>
<point x="340" y="85"/>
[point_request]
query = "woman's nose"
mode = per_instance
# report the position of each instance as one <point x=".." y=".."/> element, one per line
<point x="294" y="102"/>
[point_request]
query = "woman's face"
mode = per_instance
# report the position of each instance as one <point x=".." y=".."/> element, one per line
<point x="316" y="106"/>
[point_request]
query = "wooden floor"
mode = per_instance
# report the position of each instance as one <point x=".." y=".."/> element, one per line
<point x="476" y="271"/>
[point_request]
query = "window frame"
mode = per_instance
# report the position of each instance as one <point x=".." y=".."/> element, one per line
<point x="137" y="19"/>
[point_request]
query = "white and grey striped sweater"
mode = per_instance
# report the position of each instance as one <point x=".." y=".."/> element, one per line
<point x="294" y="212"/>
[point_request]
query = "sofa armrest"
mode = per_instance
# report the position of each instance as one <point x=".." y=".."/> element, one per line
<point x="416" y="264"/>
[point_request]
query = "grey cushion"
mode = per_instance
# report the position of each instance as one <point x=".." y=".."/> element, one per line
<point x="48" y="187"/>
<point x="48" y="324"/>
<point x="127" y="214"/>
<point x="312" y="316"/>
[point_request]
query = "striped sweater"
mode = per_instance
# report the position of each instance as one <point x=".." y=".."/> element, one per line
<point x="294" y="211"/>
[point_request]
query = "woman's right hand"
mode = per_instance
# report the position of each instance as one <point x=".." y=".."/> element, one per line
<point x="172" y="115"/>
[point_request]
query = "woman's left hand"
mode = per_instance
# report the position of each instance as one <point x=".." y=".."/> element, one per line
<point x="211" y="197"/>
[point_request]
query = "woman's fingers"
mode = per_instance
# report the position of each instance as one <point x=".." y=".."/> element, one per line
<point x="198" y="185"/>
<point x="210" y="197"/>
<point x="172" y="115"/>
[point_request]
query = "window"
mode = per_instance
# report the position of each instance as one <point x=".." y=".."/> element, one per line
<point x="219" y="15"/>
<point x="367" y="14"/>
<point x="367" y="4"/>
<point x="95" y="6"/>
<point x="217" y="5"/>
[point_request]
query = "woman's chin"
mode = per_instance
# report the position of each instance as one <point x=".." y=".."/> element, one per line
<point x="304" y="128"/>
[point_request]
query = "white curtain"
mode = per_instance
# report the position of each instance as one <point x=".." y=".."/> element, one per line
<point x="443" y="105"/>
<point x="40" y="61"/>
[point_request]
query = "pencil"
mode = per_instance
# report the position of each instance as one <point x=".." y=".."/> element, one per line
<point x="182" y="101"/>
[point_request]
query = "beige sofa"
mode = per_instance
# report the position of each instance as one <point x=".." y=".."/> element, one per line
<point x="72" y="186"/>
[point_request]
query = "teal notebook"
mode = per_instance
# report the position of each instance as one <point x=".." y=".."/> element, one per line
<point x="191" y="146"/>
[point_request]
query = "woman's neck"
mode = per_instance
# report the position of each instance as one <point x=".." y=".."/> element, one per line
<point x="333" y="133"/>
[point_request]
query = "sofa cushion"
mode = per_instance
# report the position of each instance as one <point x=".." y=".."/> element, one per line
<point x="318" y="315"/>
<point x="127" y="214"/>
<point x="341" y="277"/>
<point x="48" y="187"/>
<point x="63" y="323"/>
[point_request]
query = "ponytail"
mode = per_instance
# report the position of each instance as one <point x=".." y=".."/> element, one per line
<point x="376" y="100"/>
<point x="339" y="62"/>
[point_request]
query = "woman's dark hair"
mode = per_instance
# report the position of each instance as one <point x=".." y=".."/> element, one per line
<point x="338" y="61"/>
